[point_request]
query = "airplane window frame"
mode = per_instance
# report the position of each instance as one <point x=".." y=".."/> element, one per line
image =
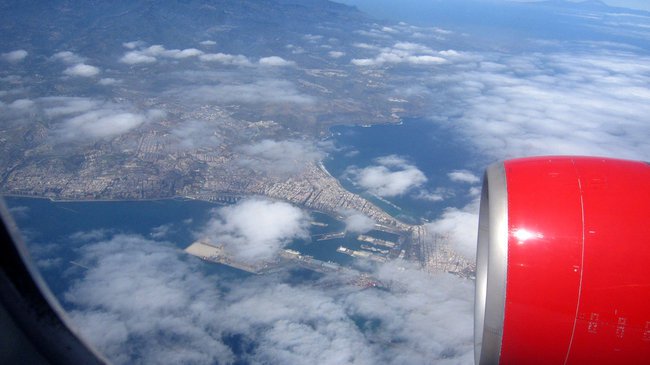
<point x="35" y="328"/>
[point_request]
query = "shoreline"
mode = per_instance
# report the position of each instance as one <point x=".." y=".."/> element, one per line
<point x="101" y="200"/>
<point x="320" y="164"/>
<point x="334" y="215"/>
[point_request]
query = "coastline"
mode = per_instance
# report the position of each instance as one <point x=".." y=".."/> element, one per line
<point x="105" y="200"/>
<point x="334" y="215"/>
<point x="392" y="213"/>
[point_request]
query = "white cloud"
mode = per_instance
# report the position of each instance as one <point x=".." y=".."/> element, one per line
<point x="357" y="222"/>
<point x="363" y="45"/>
<point x="68" y="57"/>
<point x="185" y="53"/>
<point x="81" y="70"/>
<point x="425" y="60"/>
<point x="88" y="236"/>
<point x="363" y="62"/>
<point x="275" y="61"/>
<point x="146" y="299"/>
<point x="160" y="51"/>
<point x="539" y="104"/>
<point x="412" y="47"/>
<point x="15" y="56"/>
<point x="208" y="43"/>
<point x="226" y="59"/>
<point x="295" y="49"/>
<point x="155" y="50"/>
<point x="133" y="44"/>
<point x="429" y="196"/>
<point x="391" y="177"/>
<point x="286" y="157"/>
<point x="194" y="134"/>
<point x="336" y="54"/>
<point x="401" y="53"/>
<point x="22" y="104"/>
<point x="438" y="195"/>
<point x="108" y="81"/>
<point x="461" y="226"/>
<point x="56" y="106"/>
<point x="142" y="301"/>
<point x="161" y="231"/>
<point x="312" y="38"/>
<point x="422" y="33"/>
<point x="474" y="191"/>
<point x="463" y="176"/>
<point x="374" y="33"/>
<point x="450" y="53"/>
<point x="79" y="118"/>
<point x="99" y="124"/>
<point x="150" y="54"/>
<point x="254" y="230"/>
<point x="135" y="57"/>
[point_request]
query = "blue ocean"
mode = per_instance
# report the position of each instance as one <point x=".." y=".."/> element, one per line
<point x="47" y="226"/>
<point x="432" y="148"/>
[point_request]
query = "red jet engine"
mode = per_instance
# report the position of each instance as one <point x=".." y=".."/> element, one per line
<point x="563" y="262"/>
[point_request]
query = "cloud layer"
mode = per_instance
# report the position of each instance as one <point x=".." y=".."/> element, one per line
<point x="556" y="103"/>
<point x="145" y="302"/>
<point x="594" y="103"/>
<point x="149" y="309"/>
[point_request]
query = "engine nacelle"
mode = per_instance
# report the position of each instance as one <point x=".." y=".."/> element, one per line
<point x="563" y="262"/>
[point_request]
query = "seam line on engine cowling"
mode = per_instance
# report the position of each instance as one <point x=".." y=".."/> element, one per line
<point x="582" y="263"/>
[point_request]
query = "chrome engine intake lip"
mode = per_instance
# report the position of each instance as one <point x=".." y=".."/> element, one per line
<point x="491" y="266"/>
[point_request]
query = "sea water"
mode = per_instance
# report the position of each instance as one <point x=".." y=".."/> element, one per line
<point x="433" y="149"/>
<point x="48" y="226"/>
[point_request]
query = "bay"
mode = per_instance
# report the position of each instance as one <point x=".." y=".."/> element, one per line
<point x="427" y="145"/>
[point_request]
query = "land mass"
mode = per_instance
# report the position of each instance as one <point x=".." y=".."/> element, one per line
<point x="226" y="100"/>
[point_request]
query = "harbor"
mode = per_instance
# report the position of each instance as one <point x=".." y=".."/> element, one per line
<point x="216" y="253"/>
